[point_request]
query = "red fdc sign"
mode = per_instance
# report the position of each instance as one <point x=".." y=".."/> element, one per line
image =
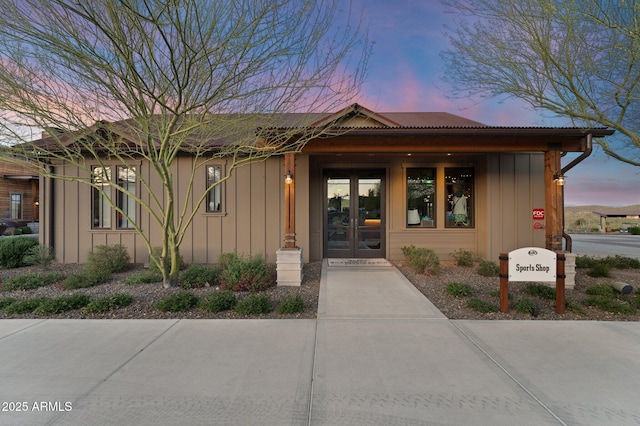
<point x="538" y="214"/>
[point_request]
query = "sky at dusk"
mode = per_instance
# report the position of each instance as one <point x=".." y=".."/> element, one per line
<point x="405" y="73"/>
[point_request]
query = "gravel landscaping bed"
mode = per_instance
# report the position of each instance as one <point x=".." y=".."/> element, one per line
<point x="434" y="287"/>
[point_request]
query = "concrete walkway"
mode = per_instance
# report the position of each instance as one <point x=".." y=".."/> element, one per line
<point x="378" y="354"/>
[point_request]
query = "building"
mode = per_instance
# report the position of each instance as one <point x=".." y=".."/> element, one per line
<point x="385" y="181"/>
<point x="19" y="197"/>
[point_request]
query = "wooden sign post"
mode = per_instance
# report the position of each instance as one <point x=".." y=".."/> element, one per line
<point x="532" y="264"/>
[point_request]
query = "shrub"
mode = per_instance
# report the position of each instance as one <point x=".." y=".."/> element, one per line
<point x="218" y="301"/>
<point x="487" y="268"/>
<point x="634" y="230"/>
<point x="109" y="258"/>
<point x="226" y="259"/>
<point x="496" y="293"/>
<point x="86" y="278"/>
<point x="600" y="290"/>
<point x="574" y="306"/>
<point x="41" y="256"/>
<point x="290" y="304"/>
<point x="107" y="303"/>
<point x="25" y="230"/>
<point x="463" y="257"/>
<point x="422" y="259"/>
<point x="31" y="280"/>
<point x="6" y="301"/>
<point x="585" y="262"/>
<point x="177" y="302"/>
<point x="12" y="251"/>
<point x="481" y="306"/>
<point x="621" y="262"/>
<point x="61" y="304"/>
<point x="526" y="306"/>
<point x="23" y="306"/>
<point x="459" y="289"/>
<point x="600" y="270"/>
<point x="247" y="274"/>
<point x="156" y="252"/>
<point x="196" y="276"/>
<point x="144" y="277"/>
<point x="609" y="304"/>
<point x="253" y="304"/>
<point x="540" y="290"/>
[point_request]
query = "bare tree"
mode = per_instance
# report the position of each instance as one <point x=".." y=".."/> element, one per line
<point x="134" y="80"/>
<point x="576" y="58"/>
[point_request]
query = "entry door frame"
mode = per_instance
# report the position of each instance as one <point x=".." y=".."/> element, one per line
<point x="354" y="174"/>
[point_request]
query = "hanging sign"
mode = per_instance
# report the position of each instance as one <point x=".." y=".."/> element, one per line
<point x="532" y="264"/>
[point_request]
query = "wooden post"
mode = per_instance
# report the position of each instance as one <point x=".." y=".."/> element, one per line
<point x="504" y="282"/>
<point x="560" y="276"/>
<point x="553" y="202"/>
<point x="289" y="201"/>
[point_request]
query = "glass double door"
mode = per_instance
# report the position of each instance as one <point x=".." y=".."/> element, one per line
<point x="354" y="213"/>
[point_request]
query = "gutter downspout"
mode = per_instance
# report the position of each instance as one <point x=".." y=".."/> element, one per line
<point x="563" y="171"/>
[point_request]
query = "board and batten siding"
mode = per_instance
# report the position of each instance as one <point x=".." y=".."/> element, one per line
<point x="251" y="221"/>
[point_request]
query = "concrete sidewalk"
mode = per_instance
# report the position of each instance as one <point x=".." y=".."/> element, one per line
<point x="378" y="354"/>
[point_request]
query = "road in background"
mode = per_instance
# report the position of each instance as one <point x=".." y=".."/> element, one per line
<point x="606" y="244"/>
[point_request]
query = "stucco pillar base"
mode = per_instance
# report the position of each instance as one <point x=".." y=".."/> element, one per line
<point x="289" y="266"/>
<point x="570" y="270"/>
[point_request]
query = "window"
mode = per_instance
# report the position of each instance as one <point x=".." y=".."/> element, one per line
<point x="125" y="199"/>
<point x="16" y="206"/>
<point x="214" y="196"/>
<point x="101" y="209"/>
<point x="421" y="186"/>
<point x="459" y="184"/>
<point x="102" y="193"/>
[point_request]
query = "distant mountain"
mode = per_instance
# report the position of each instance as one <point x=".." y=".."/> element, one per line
<point x="572" y="214"/>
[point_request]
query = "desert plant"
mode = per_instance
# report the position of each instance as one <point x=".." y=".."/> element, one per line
<point x="107" y="303"/>
<point x="540" y="290"/>
<point x="109" y="258"/>
<point x="585" y="262"/>
<point x="600" y="290"/>
<point x="463" y="257"/>
<point x="487" y="268"/>
<point x="218" y="301"/>
<point x="6" y="301"/>
<point x="290" y="304"/>
<point x="31" y="280"/>
<point x="253" y="304"/>
<point x="226" y="259"/>
<point x="574" y="306"/>
<point x="609" y="304"/>
<point x="480" y="305"/>
<point x="526" y="306"/>
<point x="457" y="289"/>
<point x="61" y="304"/>
<point x="23" y="306"/>
<point x="196" y="276"/>
<point x="247" y="274"/>
<point x="86" y="278"/>
<point x="39" y="255"/>
<point x="144" y="277"/>
<point x="177" y="302"/>
<point x="600" y="270"/>
<point x="12" y="251"/>
<point x="421" y="259"/>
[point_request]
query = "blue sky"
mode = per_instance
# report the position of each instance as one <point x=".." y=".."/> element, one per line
<point x="405" y="74"/>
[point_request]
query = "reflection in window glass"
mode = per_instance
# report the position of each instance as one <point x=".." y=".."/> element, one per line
<point x="421" y="186"/>
<point x="125" y="198"/>
<point x="101" y="210"/>
<point x="459" y="184"/>
<point x="214" y="196"/>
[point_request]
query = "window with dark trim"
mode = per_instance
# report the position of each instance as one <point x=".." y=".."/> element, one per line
<point x="100" y="207"/>
<point x="214" y="195"/>
<point x="459" y="187"/>
<point x="16" y="205"/>
<point x="421" y="197"/>
<point x="125" y="199"/>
